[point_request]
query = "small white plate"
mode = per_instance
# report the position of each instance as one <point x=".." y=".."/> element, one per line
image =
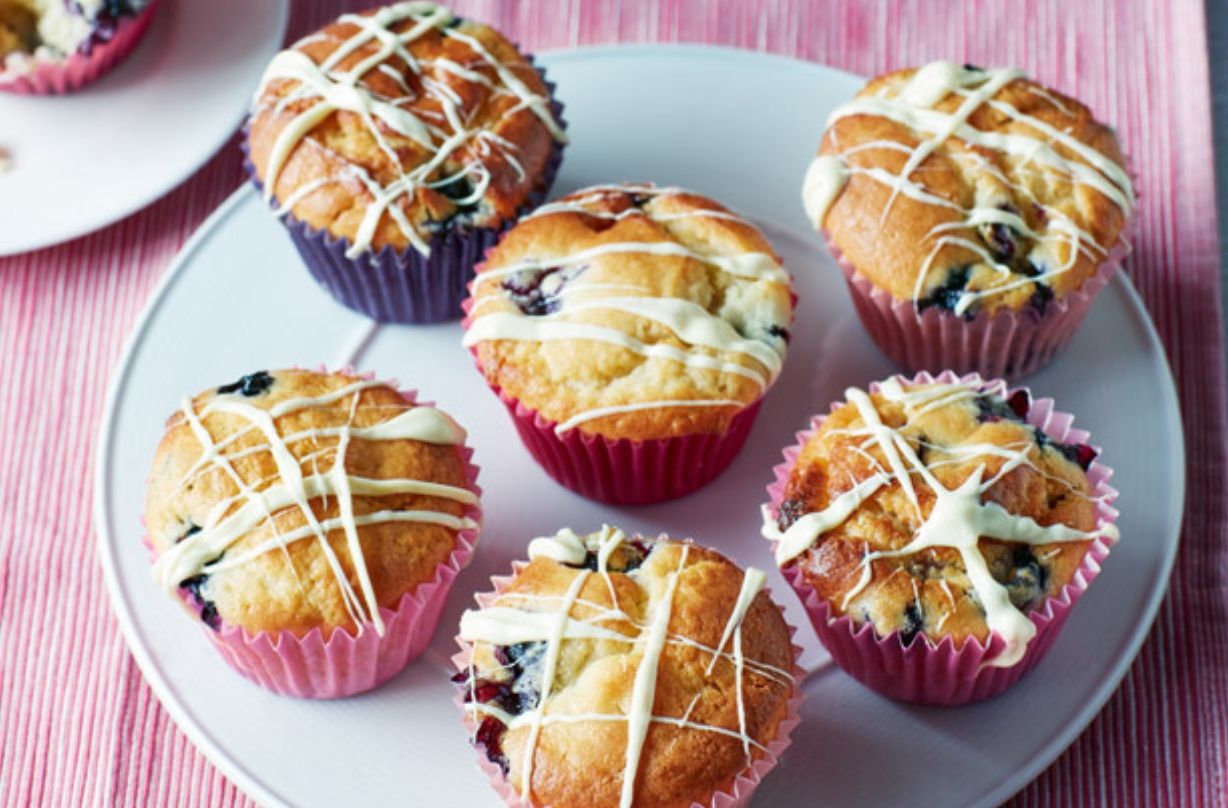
<point x="87" y="159"/>
<point x="741" y="127"/>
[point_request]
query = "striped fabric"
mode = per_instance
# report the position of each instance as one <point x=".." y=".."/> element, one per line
<point x="78" y="726"/>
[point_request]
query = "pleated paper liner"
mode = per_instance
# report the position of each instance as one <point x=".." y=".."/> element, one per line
<point x="620" y="471"/>
<point x="344" y="662"/>
<point x="1008" y="344"/>
<point x="734" y="794"/>
<point x="405" y="286"/>
<point x="77" y="70"/>
<point x="939" y="673"/>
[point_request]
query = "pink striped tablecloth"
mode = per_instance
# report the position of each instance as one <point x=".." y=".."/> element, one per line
<point x="78" y="725"/>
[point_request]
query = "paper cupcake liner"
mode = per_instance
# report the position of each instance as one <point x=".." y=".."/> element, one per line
<point x="405" y="286"/>
<point x="735" y="795"/>
<point x="1007" y="344"/>
<point x="346" y="663"/>
<point x="621" y="471"/>
<point x="925" y="672"/>
<point x="77" y="70"/>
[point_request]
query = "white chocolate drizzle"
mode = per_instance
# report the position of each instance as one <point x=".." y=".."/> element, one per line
<point x="528" y="621"/>
<point x="259" y="502"/>
<point x="711" y="342"/>
<point x="958" y="518"/>
<point x="912" y="107"/>
<point x="333" y="89"/>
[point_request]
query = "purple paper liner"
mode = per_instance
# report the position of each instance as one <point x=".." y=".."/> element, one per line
<point x="737" y="793"/>
<point x="78" y="69"/>
<point x="941" y="673"/>
<point x="1008" y="344"/>
<point x="404" y="286"/>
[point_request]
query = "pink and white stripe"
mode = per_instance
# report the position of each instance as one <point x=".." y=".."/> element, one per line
<point x="78" y="725"/>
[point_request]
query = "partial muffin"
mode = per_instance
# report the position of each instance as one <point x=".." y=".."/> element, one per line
<point x="395" y="145"/>
<point x="314" y="522"/>
<point x="645" y="321"/>
<point x="56" y="46"/>
<point x="944" y="515"/>
<point x="614" y="670"/>
<point x="959" y="197"/>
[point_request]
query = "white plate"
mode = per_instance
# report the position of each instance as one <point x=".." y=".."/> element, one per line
<point x="741" y="127"/>
<point x="87" y="159"/>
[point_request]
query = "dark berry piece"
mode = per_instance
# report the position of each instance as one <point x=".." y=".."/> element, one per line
<point x="1079" y="453"/>
<point x="914" y="622"/>
<point x="192" y="530"/>
<point x="1002" y="242"/>
<point x="780" y="332"/>
<point x="1028" y="577"/>
<point x="454" y="22"/>
<point x="489" y="738"/>
<point x="1041" y="297"/>
<point x="791" y="510"/>
<point x="525" y="289"/>
<point x="525" y="661"/>
<point x="457" y="190"/>
<point x="250" y="386"/>
<point x="947" y="296"/>
<point x="1031" y="269"/>
<point x="1020" y="403"/>
<point x="208" y="609"/>
<point x="990" y="408"/>
<point x="972" y="68"/>
<point x="461" y="678"/>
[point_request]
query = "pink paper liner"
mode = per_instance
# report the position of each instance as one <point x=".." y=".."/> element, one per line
<point x="623" y="471"/>
<point x="926" y="672"/>
<point x="1007" y="344"/>
<point x="345" y="664"/>
<point x="736" y="795"/>
<point x="77" y="70"/>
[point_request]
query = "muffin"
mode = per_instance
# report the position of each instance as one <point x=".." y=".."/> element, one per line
<point x="976" y="214"/>
<point x="57" y="46"/>
<point x="313" y="522"/>
<point x="395" y="145"/>
<point x="939" y="532"/>
<point x="614" y="670"/>
<point x="632" y="332"/>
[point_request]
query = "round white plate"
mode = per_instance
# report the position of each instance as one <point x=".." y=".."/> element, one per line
<point x="738" y="126"/>
<point x="85" y="160"/>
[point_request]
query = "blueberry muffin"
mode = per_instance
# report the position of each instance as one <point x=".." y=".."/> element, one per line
<point x="56" y="46"/>
<point x="614" y="670"/>
<point x="632" y="331"/>
<point x="632" y="312"/>
<point x="53" y="30"/>
<point x="293" y="501"/>
<point x="967" y="191"/>
<point x="936" y="510"/>
<point x="404" y="132"/>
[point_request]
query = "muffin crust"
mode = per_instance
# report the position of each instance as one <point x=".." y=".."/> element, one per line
<point x="969" y="190"/>
<point x="995" y="517"/>
<point x="632" y="311"/>
<point x="449" y="127"/>
<point x="251" y="477"/>
<point x="693" y="742"/>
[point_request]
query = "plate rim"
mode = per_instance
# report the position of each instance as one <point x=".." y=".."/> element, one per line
<point x="169" y="183"/>
<point x="254" y="787"/>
